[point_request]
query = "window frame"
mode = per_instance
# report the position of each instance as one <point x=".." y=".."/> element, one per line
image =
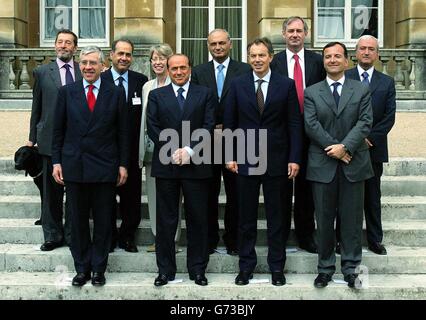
<point x="211" y="26"/>
<point x="101" y="42"/>
<point x="350" y="43"/>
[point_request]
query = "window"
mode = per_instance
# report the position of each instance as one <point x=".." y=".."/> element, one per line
<point x="346" y="21"/>
<point x="88" y="19"/>
<point x="196" y="18"/>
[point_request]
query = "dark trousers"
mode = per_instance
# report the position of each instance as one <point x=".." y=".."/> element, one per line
<point x="230" y="235"/>
<point x="97" y="198"/>
<point x="248" y="196"/>
<point x="52" y="208"/>
<point x="195" y="193"/>
<point x="343" y="200"/>
<point x="129" y="206"/>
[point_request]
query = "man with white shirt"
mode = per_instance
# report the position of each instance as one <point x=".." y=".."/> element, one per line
<point x="171" y="108"/>
<point x="306" y="68"/>
<point x="338" y="117"/>
<point x="48" y="78"/>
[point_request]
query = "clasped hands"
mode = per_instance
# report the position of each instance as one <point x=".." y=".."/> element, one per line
<point x="181" y="157"/>
<point x="338" y="151"/>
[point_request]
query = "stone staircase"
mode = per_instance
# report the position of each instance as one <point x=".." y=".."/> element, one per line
<point x="28" y="273"/>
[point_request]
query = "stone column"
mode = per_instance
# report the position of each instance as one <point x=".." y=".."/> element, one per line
<point x="411" y="24"/>
<point x="14" y="24"/>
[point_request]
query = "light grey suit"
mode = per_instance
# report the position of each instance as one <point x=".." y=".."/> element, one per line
<point x="338" y="188"/>
<point x="47" y="81"/>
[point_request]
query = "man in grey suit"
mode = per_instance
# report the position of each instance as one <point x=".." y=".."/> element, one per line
<point x="338" y="117"/>
<point x="48" y="79"/>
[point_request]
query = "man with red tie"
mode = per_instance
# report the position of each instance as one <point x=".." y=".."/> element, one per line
<point x="90" y="156"/>
<point x="306" y="68"/>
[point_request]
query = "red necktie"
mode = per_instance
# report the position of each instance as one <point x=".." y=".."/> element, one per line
<point x="91" y="99"/>
<point x="298" y="79"/>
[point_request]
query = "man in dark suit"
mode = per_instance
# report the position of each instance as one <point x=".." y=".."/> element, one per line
<point x="90" y="156"/>
<point x="217" y="75"/>
<point x="173" y="107"/>
<point x="338" y="117"/>
<point x="48" y="79"/>
<point x="130" y="193"/>
<point x="265" y="103"/>
<point x="382" y="89"/>
<point x="306" y="68"/>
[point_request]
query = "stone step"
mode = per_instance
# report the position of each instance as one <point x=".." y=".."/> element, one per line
<point x="409" y="233"/>
<point x="28" y="257"/>
<point x="391" y="186"/>
<point x="393" y="208"/>
<point x="139" y="286"/>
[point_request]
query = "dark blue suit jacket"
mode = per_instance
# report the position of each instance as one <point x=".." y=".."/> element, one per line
<point x="281" y="117"/>
<point x="382" y="89"/>
<point x="163" y="112"/>
<point x="90" y="146"/>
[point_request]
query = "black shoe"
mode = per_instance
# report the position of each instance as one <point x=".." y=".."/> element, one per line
<point x="338" y="251"/>
<point x="163" y="279"/>
<point x="322" y="280"/>
<point x="37" y="222"/>
<point x="377" y="248"/>
<point x="51" y="245"/>
<point x="98" y="279"/>
<point x="128" y="246"/>
<point x="232" y="252"/>
<point x="353" y="280"/>
<point x="278" y="278"/>
<point x="80" y="279"/>
<point x="199" y="279"/>
<point x="308" y="245"/>
<point x="243" y="278"/>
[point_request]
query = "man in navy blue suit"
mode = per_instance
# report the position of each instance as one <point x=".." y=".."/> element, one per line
<point x="90" y="157"/>
<point x="263" y="100"/>
<point x="173" y="107"/>
<point x="382" y="89"/>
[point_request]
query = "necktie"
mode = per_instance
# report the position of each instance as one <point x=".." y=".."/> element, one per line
<point x="91" y="99"/>
<point x="181" y="98"/>
<point x="220" y="80"/>
<point x="120" y="85"/>
<point x="365" y="78"/>
<point x="259" y="96"/>
<point x="68" y="76"/>
<point x="335" y="93"/>
<point x="298" y="79"/>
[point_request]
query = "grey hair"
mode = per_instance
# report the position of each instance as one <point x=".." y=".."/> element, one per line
<point x="367" y="36"/>
<point x="219" y="30"/>
<point x="92" y="49"/>
<point x="163" y="49"/>
<point x="294" y="18"/>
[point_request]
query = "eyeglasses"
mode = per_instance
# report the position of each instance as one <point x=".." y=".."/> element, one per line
<point x="159" y="59"/>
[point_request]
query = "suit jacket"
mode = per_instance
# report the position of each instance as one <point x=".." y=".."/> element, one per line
<point x="90" y="146"/>
<point x="136" y="82"/>
<point x="382" y="89"/>
<point x="349" y="123"/>
<point x="47" y="81"/>
<point x="314" y="66"/>
<point x="163" y="112"/>
<point x="281" y="117"/>
<point x="204" y="74"/>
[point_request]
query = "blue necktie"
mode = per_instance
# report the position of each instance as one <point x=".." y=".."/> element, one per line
<point x="365" y="78"/>
<point x="180" y="98"/>
<point x="220" y="80"/>
<point x="68" y="76"/>
<point x="335" y="93"/>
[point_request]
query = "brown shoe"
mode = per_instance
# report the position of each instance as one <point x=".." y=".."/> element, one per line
<point x="151" y="248"/>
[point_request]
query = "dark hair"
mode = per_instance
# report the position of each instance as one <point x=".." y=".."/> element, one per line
<point x="294" y="18"/>
<point x="67" y="31"/>
<point x="114" y="44"/>
<point x="336" y="43"/>
<point x="265" y="41"/>
<point x="180" y="55"/>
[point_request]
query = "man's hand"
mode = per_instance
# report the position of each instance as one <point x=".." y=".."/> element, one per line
<point x="57" y="174"/>
<point x="346" y="158"/>
<point x="293" y="170"/>
<point x="368" y="142"/>
<point x="336" y="151"/>
<point x="122" y="176"/>
<point x="181" y="157"/>
<point x="30" y="144"/>
<point x="232" y="166"/>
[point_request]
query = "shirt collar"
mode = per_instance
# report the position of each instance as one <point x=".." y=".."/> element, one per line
<point x="361" y="71"/>
<point x="185" y="87"/>
<point x="266" y="78"/>
<point x="331" y="81"/>
<point x="116" y="75"/>
<point x="61" y="64"/>
<point x="290" y="54"/>
<point x="97" y="83"/>
<point x="225" y="63"/>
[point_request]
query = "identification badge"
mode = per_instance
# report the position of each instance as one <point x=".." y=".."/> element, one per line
<point x="136" y="100"/>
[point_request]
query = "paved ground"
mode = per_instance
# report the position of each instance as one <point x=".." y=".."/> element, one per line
<point x="407" y="138"/>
